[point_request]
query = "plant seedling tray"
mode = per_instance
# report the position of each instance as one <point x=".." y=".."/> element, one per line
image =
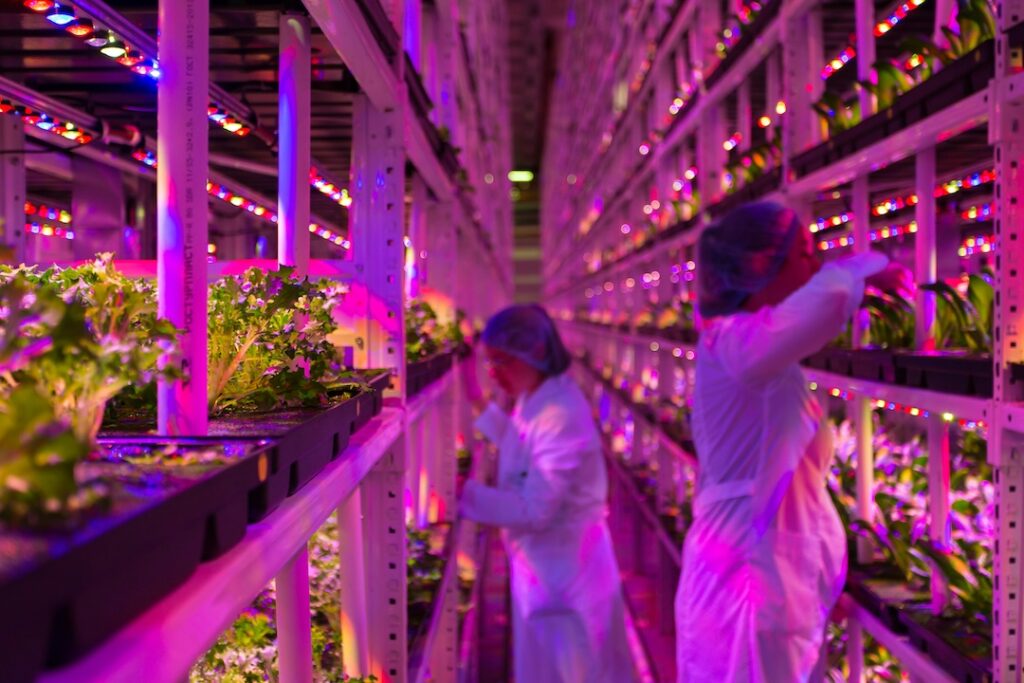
<point x="683" y="335"/>
<point x="65" y="590"/>
<point x="831" y="359"/>
<point x="876" y="365"/>
<point x="422" y="373"/>
<point x="305" y="441"/>
<point x="767" y="183"/>
<point x="950" y="372"/>
<point x="883" y="593"/>
<point x="949" y="646"/>
<point x="370" y="403"/>
<point x="961" y="79"/>
<point x="750" y="34"/>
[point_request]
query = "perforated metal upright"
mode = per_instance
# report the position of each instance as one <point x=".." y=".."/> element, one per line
<point x="377" y="232"/>
<point x="12" y="188"/>
<point x="1006" y="434"/>
<point x="383" y="508"/>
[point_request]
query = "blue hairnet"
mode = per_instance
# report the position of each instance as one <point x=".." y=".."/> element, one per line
<point x="741" y="253"/>
<point x="527" y="332"/>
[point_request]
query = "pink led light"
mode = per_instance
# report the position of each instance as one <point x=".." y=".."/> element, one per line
<point x="886" y="25"/>
<point x="979" y="244"/>
<point x="838" y="62"/>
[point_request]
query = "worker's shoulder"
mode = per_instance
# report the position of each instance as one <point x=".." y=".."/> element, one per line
<point x="566" y="407"/>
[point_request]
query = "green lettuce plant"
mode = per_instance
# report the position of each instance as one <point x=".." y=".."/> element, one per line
<point x="268" y="346"/>
<point x="247" y="651"/>
<point x="421" y="328"/>
<point x="964" y="321"/>
<point x="976" y="24"/>
<point x="70" y="340"/>
<point x="109" y="339"/>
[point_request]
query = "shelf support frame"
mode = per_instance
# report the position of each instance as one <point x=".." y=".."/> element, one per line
<point x="182" y="230"/>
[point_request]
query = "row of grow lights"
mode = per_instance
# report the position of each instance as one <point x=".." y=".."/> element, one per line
<point x="256" y="209"/>
<point x="105" y="41"/>
<point x="976" y="244"/>
<point x="892" y="406"/>
<point x="836" y="64"/>
<point x="32" y="117"/>
<point x="109" y="44"/>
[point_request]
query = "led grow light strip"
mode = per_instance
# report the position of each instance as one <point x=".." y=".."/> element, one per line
<point x="45" y="212"/>
<point x="878" y="235"/>
<point x="901" y="12"/>
<point x="103" y="40"/>
<point x="892" y="204"/>
<point x="339" y="195"/>
<point x="958" y="184"/>
<point x="109" y="44"/>
<point x="830" y="222"/>
<point x="256" y="209"/>
<point x="838" y="62"/>
<point x="48" y="230"/>
<point x="892" y="406"/>
<point x="222" y="118"/>
<point x="732" y="34"/>
<point x="978" y="214"/>
<point x="66" y="130"/>
<point x="979" y="244"/>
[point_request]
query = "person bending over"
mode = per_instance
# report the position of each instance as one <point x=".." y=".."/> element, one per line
<point x="568" y="617"/>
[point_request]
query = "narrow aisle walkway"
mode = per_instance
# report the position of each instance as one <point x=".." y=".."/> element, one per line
<point x="495" y="618"/>
<point x="648" y="581"/>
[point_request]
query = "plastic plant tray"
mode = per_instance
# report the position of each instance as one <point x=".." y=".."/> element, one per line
<point x="883" y="593"/>
<point x="875" y="365"/>
<point x="422" y="373"/>
<point x="950" y="646"/>
<point x="306" y="440"/>
<point x="66" y="589"/>
<point x="964" y="77"/>
<point x="750" y="35"/>
<point x="951" y="372"/>
<point x="370" y="403"/>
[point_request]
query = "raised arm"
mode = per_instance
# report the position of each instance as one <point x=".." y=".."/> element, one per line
<point x="755" y="347"/>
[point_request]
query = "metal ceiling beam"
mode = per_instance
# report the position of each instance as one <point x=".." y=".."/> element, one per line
<point x="344" y="25"/>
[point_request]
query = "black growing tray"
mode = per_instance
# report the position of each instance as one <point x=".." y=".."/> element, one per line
<point x="876" y="588"/>
<point x="305" y="441"/>
<point x="876" y="365"/>
<point x="64" y="591"/>
<point x="961" y="79"/>
<point x="750" y="34"/>
<point x="369" y="404"/>
<point x="422" y="373"/>
<point x="830" y="359"/>
<point x="683" y="335"/>
<point x="950" y="372"/>
<point x="926" y="633"/>
<point x="767" y="183"/>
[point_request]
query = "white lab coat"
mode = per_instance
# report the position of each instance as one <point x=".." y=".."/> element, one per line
<point x="567" y="606"/>
<point x="765" y="559"/>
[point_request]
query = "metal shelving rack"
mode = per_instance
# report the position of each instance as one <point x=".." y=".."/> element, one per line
<point x="644" y="151"/>
<point x="461" y="229"/>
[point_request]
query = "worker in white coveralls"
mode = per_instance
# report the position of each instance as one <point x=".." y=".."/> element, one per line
<point x="765" y="560"/>
<point x="550" y="499"/>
